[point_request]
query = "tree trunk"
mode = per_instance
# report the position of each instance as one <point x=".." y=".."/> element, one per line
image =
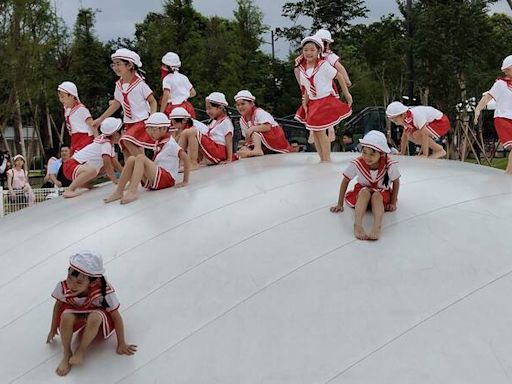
<point x="18" y="127"/>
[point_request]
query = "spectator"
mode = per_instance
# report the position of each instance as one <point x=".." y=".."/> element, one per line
<point x="51" y="155"/>
<point x="55" y="171"/>
<point x="5" y="165"/>
<point x="20" y="191"/>
<point x="348" y="142"/>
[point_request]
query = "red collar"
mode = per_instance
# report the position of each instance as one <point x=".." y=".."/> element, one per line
<point x="506" y="80"/>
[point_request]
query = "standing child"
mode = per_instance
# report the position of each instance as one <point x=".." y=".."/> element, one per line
<point x="161" y="172"/>
<point x="85" y="302"/>
<point x="137" y="100"/>
<point x="421" y="124"/>
<point x="176" y="86"/>
<point x="216" y="144"/>
<point x="87" y="163"/>
<point x="78" y="118"/>
<point x="258" y="127"/>
<point x="320" y="107"/>
<point x="20" y="190"/>
<point x="501" y="92"/>
<point x="374" y="171"/>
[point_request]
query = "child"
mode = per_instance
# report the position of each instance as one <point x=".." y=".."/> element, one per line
<point x="86" y="163"/>
<point x="20" y="190"/>
<point x="320" y="107"/>
<point x="348" y="142"/>
<point x="85" y="301"/>
<point x="374" y="170"/>
<point x="160" y="173"/>
<point x="501" y="92"/>
<point x="258" y="127"/>
<point x="216" y="144"/>
<point x="335" y="61"/>
<point x="78" y="118"/>
<point x="421" y="124"/>
<point x="137" y="100"/>
<point x="177" y="87"/>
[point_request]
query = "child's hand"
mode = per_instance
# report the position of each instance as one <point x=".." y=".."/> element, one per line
<point x="336" y="208"/>
<point x="225" y="162"/>
<point x="126" y="349"/>
<point x="51" y="335"/>
<point x="181" y="185"/>
<point x="391" y="207"/>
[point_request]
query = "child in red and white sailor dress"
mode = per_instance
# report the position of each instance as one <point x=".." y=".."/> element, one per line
<point x="374" y="170"/>
<point x="159" y="173"/>
<point x="85" y="164"/>
<point x="216" y="144"/>
<point x="320" y="107"/>
<point x="422" y="124"/>
<point x="501" y="92"/>
<point x="259" y="128"/>
<point x="137" y="100"/>
<point x="85" y="302"/>
<point x="177" y="88"/>
<point x="78" y="118"/>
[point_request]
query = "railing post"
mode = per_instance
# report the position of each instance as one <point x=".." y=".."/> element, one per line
<point x="2" y="202"/>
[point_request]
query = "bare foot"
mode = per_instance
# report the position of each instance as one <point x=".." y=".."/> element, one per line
<point x="242" y="154"/>
<point x="77" y="358"/>
<point x="359" y="232"/>
<point x="438" y="154"/>
<point x="71" y="193"/>
<point x="113" y="197"/>
<point x="374" y="233"/>
<point x="64" y="366"/>
<point x="129" y="197"/>
<point x="193" y="167"/>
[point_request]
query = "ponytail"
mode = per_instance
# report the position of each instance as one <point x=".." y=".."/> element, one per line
<point x="104" y="292"/>
<point x="386" y="176"/>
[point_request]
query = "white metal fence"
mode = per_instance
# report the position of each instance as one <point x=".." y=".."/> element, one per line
<point x="19" y="199"/>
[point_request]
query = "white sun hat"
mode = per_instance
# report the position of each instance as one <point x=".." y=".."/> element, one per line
<point x="88" y="263"/>
<point x="315" y="40"/>
<point x="217" y="98"/>
<point x="68" y="87"/>
<point x="375" y="140"/>
<point x="325" y="35"/>
<point x="171" y="59"/>
<point x="396" y="108"/>
<point x="507" y="62"/>
<point x="110" y="125"/>
<point x="126" y="54"/>
<point x="179" y="113"/>
<point x="157" y="119"/>
<point x="244" y="95"/>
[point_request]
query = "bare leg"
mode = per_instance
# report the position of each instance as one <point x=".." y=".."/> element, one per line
<point x="363" y="199"/>
<point x="378" y="212"/>
<point x="318" y="144"/>
<point x="331" y="134"/>
<point x="94" y="321"/>
<point x="326" y="147"/>
<point x="190" y="138"/>
<point x="508" y="170"/>
<point x="132" y="149"/>
<point x="125" y="178"/>
<point x="143" y="167"/>
<point x="437" y="150"/>
<point x="67" y="321"/>
<point x="84" y="174"/>
<point x="257" y="150"/>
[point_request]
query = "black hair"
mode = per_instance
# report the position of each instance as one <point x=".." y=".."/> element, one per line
<point x="386" y="176"/>
<point x="139" y="71"/>
<point x="224" y="107"/>
<point x="172" y="69"/>
<point x="187" y="121"/>
<point x="73" y="272"/>
<point x="348" y="134"/>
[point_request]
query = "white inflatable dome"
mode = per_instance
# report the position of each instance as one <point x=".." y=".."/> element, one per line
<point x="245" y="276"/>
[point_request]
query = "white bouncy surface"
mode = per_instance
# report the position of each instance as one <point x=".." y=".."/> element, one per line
<point x="244" y="276"/>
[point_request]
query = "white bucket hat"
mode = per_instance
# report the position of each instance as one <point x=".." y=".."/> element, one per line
<point x="18" y="157"/>
<point x="325" y="35"/>
<point x="396" y="108"/>
<point x="157" y="119"/>
<point x="244" y="95"/>
<point x="315" y="40"/>
<point x="375" y="140"/>
<point x="179" y="113"/>
<point x="217" y="98"/>
<point x="171" y="59"/>
<point x="126" y="54"/>
<point x="110" y="125"/>
<point x="68" y="87"/>
<point x="507" y="62"/>
<point x="87" y="263"/>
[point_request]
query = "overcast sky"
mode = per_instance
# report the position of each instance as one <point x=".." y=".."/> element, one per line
<point x="118" y="17"/>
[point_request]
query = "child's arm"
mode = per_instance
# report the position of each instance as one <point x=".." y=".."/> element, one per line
<point x="117" y="165"/>
<point x="90" y="122"/>
<point x="258" y="128"/>
<point x="344" y="88"/>
<point x="114" y="106"/>
<point x="186" y="168"/>
<point x="54" y="328"/>
<point x="153" y="105"/>
<point x="122" y="347"/>
<point x="425" y="139"/>
<point x="481" y="105"/>
<point x="10" y="177"/>
<point x="403" y="143"/>
<point x="229" y="148"/>
<point x="296" y="72"/>
<point x="341" y="197"/>
<point x="192" y="92"/>
<point x="341" y="69"/>
<point x="165" y="99"/>
<point x="54" y="180"/>
<point x="109" y="168"/>
<point x="394" y="196"/>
